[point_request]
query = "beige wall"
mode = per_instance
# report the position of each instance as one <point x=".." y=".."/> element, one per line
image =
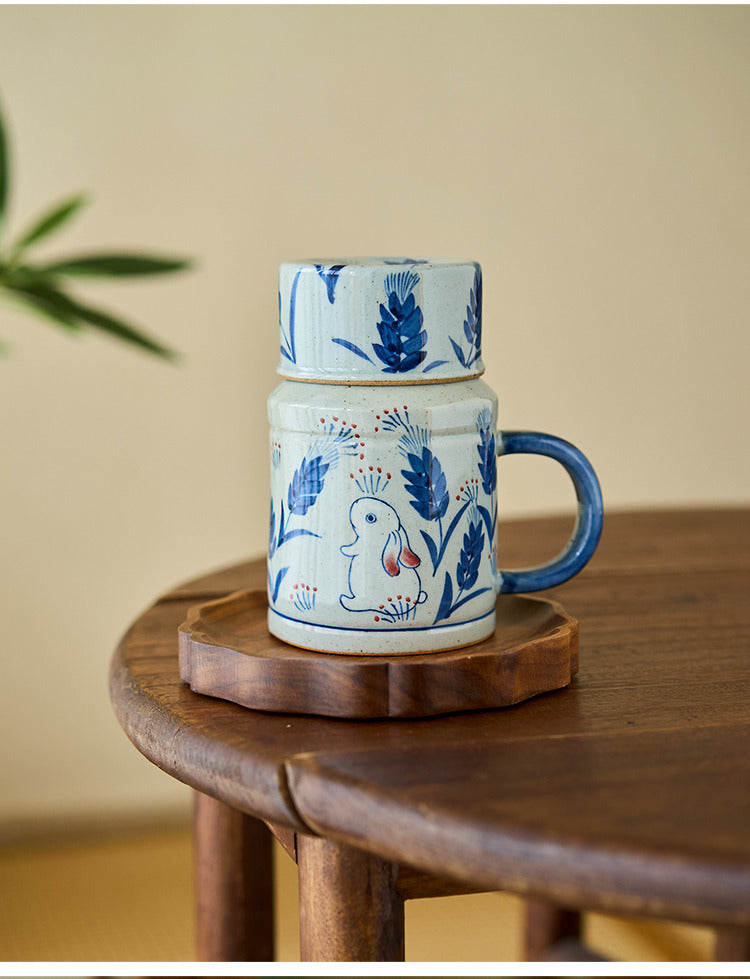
<point x="593" y="159"/>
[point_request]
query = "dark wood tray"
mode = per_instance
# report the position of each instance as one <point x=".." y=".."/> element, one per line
<point x="227" y="651"/>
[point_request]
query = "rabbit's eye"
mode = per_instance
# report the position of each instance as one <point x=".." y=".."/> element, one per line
<point x="371" y="518"/>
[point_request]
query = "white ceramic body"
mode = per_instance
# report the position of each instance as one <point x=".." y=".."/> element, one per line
<point x="380" y="320"/>
<point x="384" y="474"/>
<point x="383" y="516"/>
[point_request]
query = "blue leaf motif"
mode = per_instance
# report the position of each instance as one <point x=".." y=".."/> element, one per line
<point x="272" y="533"/>
<point x="351" y="346"/>
<point x="402" y="339"/>
<point x="467" y="570"/>
<point x="288" y="348"/>
<point x="472" y="325"/>
<point x="446" y="600"/>
<point x="273" y="586"/>
<point x="426" y="482"/>
<point x="459" y="352"/>
<point x="306" y="485"/>
<point x="487" y="459"/>
<point x="330" y="276"/>
<point x="473" y="321"/>
<point x="431" y="547"/>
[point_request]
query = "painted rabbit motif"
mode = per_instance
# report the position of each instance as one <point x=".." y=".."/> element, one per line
<point x="382" y="570"/>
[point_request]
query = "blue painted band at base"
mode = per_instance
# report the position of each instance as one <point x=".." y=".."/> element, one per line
<point x="347" y="628"/>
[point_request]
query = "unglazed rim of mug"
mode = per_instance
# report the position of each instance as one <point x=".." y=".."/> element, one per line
<point x="377" y="382"/>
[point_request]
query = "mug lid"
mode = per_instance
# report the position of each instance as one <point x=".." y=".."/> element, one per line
<point x="380" y="320"/>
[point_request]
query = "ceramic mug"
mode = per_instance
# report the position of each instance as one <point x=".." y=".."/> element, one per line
<point x="384" y="447"/>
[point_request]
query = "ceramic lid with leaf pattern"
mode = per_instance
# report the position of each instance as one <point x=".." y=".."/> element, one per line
<point x="380" y="320"/>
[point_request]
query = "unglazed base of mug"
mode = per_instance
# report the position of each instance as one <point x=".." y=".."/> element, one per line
<point x="380" y="642"/>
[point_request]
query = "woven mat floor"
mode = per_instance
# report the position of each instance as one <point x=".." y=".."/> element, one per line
<point x="128" y="897"/>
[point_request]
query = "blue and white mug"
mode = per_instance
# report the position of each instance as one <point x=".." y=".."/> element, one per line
<point x="384" y="447"/>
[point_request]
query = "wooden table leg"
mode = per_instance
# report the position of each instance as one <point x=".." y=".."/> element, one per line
<point x="732" y="945"/>
<point x="348" y="906"/>
<point x="233" y="884"/>
<point x="553" y="934"/>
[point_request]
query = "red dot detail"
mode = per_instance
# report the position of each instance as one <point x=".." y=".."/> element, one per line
<point x="322" y="419"/>
<point x="361" y="456"/>
<point x="377" y="618"/>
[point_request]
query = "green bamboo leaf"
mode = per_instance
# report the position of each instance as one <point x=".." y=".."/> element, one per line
<point x="4" y="174"/>
<point x="49" y="222"/>
<point x="114" y="326"/>
<point x="30" y="285"/>
<point x="45" y="301"/>
<point x="116" y="265"/>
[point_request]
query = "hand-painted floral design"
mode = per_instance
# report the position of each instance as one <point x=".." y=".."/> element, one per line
<point x="467" y="571"/>
<point x="303" y="597"/>
<point x="402" y="339"/>
<point x="472" y="326"/>
<point x="330" y="275"/>
<point x="306" y="484"/>
<point x="288" y="348"/>
<point x="304" y="489"/>
<point x="487" y="451"/>
<point x="426" y="482"/>
<point x="424" y="479"/>
<point x="371" y="480"/>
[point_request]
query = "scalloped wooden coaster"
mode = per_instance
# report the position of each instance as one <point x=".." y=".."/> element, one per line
<point x="227" y="651"/>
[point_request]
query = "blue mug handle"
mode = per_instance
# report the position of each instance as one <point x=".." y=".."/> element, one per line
<point x="588" y="529"/>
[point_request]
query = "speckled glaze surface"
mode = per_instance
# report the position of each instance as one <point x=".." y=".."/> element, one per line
<point x="383" y="462"/>
<point x="381" y="320"/>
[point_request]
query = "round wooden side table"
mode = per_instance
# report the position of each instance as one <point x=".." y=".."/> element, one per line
<point x="627" y="791"/>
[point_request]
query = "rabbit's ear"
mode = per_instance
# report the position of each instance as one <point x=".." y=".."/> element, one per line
<point x="407" y="557"/>
<point x="391" y="554"/>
